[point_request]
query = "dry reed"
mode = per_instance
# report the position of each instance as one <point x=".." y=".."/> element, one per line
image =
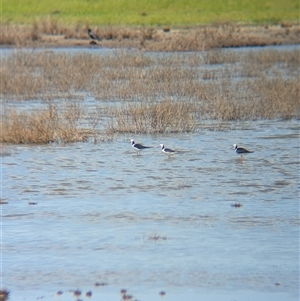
<point x="50" y="31"/>
<point x="163" y="117"/>
<point x="64" y="123"/>
<point x="148" y="93"/>
<point x="262" y="98"/>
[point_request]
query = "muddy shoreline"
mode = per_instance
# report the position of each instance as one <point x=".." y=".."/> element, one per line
<point x="153" y="39"/>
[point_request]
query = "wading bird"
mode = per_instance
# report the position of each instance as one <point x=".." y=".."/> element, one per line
<point x="241" y="150"/>
<point x="167" y="151"/>
<point x="92" y="35"/>
<point x="138" y="147"/>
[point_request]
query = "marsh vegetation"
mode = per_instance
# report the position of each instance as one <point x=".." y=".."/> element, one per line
<point x="51" y="123"/>
<point x="136" y="92"/>
<point x="51" y="32"/>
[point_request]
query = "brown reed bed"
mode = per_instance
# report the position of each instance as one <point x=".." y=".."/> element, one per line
<point x="142" y="93"/>
<point x="50" y="31"/>
<point x="64" y="123"/>
<point x="163" y="117"/>
<point x="133" y="75"/>
<point x="252" y="99"/>
<point x="45" y="75"/>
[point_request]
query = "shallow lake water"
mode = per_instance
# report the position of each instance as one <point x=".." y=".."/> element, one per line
<point x="86" y="213"/>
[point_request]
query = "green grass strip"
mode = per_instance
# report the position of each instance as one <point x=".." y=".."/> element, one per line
<point x="150" y="12"/>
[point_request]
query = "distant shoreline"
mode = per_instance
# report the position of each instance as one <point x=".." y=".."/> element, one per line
<point x="152" y="38"/>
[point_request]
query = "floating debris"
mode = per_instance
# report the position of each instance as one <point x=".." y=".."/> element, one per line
<point x="3" y="202"/>
<point x="4" y="294"/>
<point x="126" y="297"/>
<point x="237" y="205"/>
<point x="32" y="203"/>
<point x="101" y="283"/>
<point x="77" y="293"/>
<point x="155" y="236"/>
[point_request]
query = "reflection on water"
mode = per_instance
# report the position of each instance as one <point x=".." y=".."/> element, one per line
<point x="85" y="213"/>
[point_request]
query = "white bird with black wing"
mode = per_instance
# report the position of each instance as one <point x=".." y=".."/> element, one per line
<point x="138" y="147"/>
<point x="241" y="150"/>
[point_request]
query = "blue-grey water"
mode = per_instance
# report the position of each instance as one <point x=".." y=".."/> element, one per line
<point x="86" y="213"/>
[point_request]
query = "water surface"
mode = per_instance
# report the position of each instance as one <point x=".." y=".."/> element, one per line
<point x="84" y="213"/>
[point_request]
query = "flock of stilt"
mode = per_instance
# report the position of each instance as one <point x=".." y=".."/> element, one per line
<point x="139" y="147"/>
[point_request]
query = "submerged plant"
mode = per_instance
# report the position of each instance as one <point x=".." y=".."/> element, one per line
<point x="164" y="117"/>
<point x="54" y="123"/>
<point x="155" y="236"/>
<point x="142" y="93"/>
<point x="4" y="294"/>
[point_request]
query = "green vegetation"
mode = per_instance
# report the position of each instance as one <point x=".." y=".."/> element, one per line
<point x="153" y="12"/>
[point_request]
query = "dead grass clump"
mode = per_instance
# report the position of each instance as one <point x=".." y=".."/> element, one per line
<point x="50" y="26"/>
<point x="53" y="123"/>
<point x="155" y="236"/>
<point x="18" y="35"/>
<point x="124" y="58"/>
<point x="222" y="108"/>
<point x="260" y="61"/>
<point x="45" y="75"/>
<point x="148" y="33"/>
<point x="280" y="97"/>
<point x="220" y="57"/>
<point x="262" y="98"/>
<point x="51" y="31"/>
<point x="268" y="58"/>
<point x="163" y="117"/>
<point x="181" y="40"/>
<point x="197" y="38"/>
<point x="274" y="57"/>
<point x="246" y="88"/>
<point x="136" y="76"/>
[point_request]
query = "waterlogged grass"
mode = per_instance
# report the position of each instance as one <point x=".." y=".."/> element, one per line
<point x="142" y="93"/>
<point x="163" y="117"/>
<point x="63" y="123"/>
<point x="153" y="12"/>
<point x="53" y="32"/>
